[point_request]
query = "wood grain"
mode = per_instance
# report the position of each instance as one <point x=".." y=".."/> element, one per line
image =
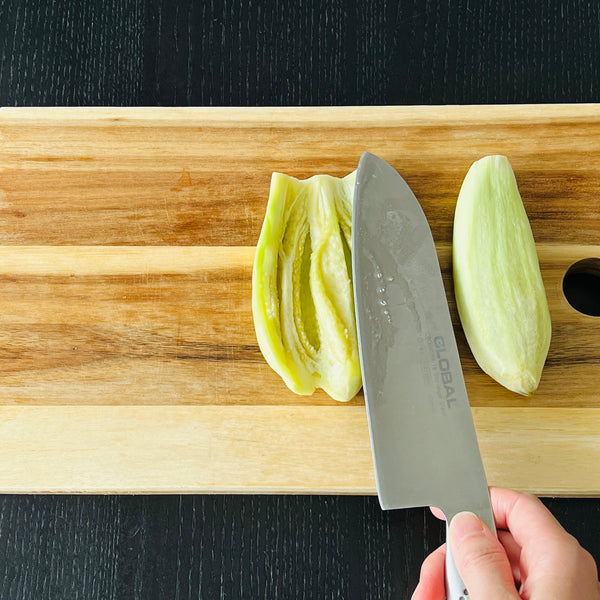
<point x="271" y="449"/>
<point x="126" y="252"/>
<point x="199" y="176"/>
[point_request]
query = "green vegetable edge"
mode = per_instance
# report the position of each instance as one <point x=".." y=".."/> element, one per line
<point x="302" y="300"/>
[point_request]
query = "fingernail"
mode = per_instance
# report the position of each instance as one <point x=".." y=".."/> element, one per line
<point x="465" y="524"/>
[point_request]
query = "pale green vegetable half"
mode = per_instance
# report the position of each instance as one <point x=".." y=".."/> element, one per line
<point x="498" y="284"/>
<point x="302" y="299"/>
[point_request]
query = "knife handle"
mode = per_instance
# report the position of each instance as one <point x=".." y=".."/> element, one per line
<point x="455" y="588"/>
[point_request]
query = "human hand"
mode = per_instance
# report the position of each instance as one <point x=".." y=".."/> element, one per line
<point x="533" y="557"/>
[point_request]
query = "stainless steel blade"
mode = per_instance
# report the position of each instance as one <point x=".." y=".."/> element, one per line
<point x="424" y="443"/>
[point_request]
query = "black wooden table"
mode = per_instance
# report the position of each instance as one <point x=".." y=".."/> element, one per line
<point x="247" y="52"/>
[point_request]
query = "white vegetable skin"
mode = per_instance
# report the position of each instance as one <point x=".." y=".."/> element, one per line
<point x="498" y="284"/>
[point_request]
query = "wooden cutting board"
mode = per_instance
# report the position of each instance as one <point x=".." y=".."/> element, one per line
<point x="128" y="360"/>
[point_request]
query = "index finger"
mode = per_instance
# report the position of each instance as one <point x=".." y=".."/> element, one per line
<point x="524" y="516"/>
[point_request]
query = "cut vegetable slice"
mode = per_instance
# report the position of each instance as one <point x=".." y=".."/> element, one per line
<point x="302" y="299"/>
<point x="498" y="285"/>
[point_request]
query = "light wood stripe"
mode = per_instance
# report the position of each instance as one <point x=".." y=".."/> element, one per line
<point x="236" y="449"/>
<point x="127" y="260"/>
<point x="324" y="116"/>
<point x="86" y="261"/>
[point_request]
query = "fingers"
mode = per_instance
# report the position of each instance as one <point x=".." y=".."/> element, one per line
<point x="437" y="513"/>
<point x="513" y="553"/>
<point x="561" y="570"/>
<point x="532" y="549"/>
<point x="480" y="559"/>
<point x="541" y="538"/>
<point x="431" y="583"/>
<point x="524" y="516"/>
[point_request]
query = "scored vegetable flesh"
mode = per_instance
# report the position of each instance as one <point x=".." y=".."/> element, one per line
<point x="498" y="285"/>
<point x="302" y="299"/>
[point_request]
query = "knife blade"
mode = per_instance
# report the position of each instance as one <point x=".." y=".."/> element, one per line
<point x="423" y="439"/>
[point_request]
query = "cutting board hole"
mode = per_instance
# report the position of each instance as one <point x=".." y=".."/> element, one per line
<point x="581" y="286"/>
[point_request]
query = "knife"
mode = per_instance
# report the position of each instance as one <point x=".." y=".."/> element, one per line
<point x="424" y="444"/>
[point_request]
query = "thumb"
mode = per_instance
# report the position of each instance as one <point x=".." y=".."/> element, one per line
<point x="480" y="559"/>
